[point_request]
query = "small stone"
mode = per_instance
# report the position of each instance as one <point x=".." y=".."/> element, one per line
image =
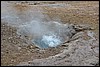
<point x="3" y="25"/>
<point x="10" y="37"/>
<point x="12" y="60"/>
<point x="91" y="34"/>
<point x="41" y="51"/>
<point x="96" y="50"/>
<point x="19" y="48"/>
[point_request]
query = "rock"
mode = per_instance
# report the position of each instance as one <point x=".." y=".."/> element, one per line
<point x="91" y="34"/>
<point x="82" y="27"/>
<point x="19" y="48"/>
<point x="76" y="53"/>
<point x="96" y="50"/>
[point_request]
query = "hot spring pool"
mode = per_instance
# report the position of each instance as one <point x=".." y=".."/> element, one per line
<point x="47" y="41"/>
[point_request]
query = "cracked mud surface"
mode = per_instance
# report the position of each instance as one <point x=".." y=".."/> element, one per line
<point x="84" y="51"/>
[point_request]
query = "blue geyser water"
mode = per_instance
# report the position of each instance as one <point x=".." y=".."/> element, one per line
<point x="47" y="41"/>
<point x="52" y="41"/>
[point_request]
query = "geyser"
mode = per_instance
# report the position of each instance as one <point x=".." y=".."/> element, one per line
<point x="38" y="27"/>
